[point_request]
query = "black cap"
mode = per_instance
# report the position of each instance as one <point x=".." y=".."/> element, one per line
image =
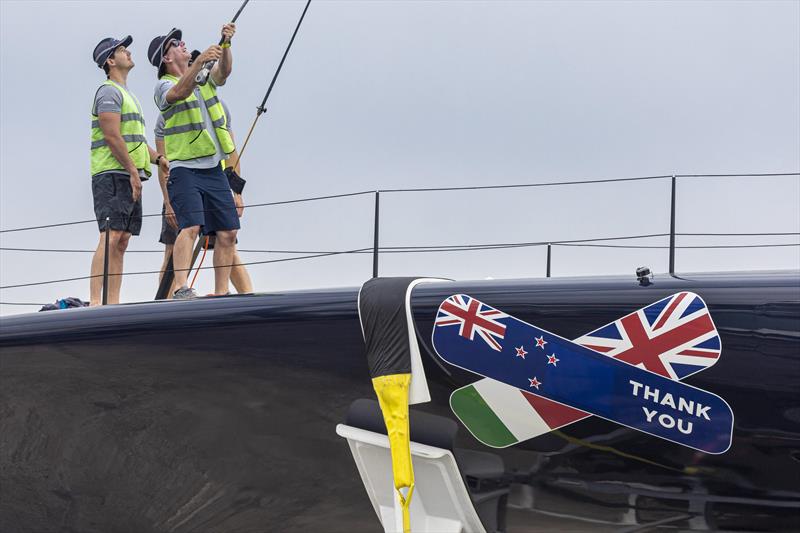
<point x="155" y="52"/>
<point x="106" y="47"/>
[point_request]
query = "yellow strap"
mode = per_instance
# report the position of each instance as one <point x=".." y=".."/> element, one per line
<point x="225" y="45"/>
<point x="405" y="503"/>
<point x="392" y="392"/>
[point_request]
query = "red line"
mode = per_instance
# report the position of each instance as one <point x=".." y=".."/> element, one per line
<point x="700" y="354"/>
<point x="601" y="349"/>
<point x="669" y="310"/>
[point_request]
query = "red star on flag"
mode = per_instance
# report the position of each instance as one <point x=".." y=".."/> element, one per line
<point x="540" y="342"/>
<point x="521" y="352"/>
<point x="535" y="382"/>
<point x="552" y="360"/>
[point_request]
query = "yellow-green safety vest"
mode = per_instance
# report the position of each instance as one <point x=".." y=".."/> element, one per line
<point x="185" y="134"/>
<point x="131" y="128"/>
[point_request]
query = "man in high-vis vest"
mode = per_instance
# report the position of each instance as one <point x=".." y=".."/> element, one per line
<point x="196" y="138"/>
<point x="120" y="161"/>
<point x="240" y="278"/>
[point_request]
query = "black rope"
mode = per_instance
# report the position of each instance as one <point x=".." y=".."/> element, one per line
<point x="49" y="225"/>
<point x="752" y="175"/>
<point x="62" y="250"/>
<point x="21" y="303"/>
<point x="265" y="204"/>
<point x="282" y="260"/>
<point x="429" y="189"/>
<point x="526" y="185"/>
<point x="443" y="246"/>
<point x="458" y="248"/>
<point x="704" y="247"/>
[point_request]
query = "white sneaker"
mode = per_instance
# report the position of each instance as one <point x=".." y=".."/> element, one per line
<point x="184" y="293"/>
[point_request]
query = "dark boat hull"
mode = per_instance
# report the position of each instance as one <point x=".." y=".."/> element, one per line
<point x="220" y="414"/>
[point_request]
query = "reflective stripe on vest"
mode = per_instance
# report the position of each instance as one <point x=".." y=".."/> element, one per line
<point x="131" y="127"/>
<point x="185" y="133"/>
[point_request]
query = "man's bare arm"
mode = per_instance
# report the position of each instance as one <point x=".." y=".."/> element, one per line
<point x="163" y="176"/>
<point x="186" y="84"/>
<point x="222" y="68"/>
<point x="110" y="126"/>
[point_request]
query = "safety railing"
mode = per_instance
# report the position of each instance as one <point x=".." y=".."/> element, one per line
<point x="376" y="250"/>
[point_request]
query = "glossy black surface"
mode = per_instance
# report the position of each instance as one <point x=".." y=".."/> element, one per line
<point x="219" y="414"/>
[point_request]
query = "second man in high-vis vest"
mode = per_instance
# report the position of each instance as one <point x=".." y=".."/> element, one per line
<point x="120" y="161"/>
<point x="196" y="140"/>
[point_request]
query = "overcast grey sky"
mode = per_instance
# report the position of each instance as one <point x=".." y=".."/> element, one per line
<point x="381" y="95"/>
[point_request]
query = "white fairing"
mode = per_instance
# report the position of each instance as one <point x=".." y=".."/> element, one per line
<point x="418" y="390"/>
<point x="440" y="501"/>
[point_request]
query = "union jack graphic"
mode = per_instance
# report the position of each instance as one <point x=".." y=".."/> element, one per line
<point x="473" y="316"/>
<point x="674" y="337"/>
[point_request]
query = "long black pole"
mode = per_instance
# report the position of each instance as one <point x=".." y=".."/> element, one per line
<point x="202" y="76"/>
<point x="672" y="230"/>
<point x="262" y="107"/>
<point x="376" y="241"/>
<point x="105" y="263"/>
<point x="167" y="277"/>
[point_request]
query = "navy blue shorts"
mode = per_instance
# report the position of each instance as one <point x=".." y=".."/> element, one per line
<point x="202" y="197"/>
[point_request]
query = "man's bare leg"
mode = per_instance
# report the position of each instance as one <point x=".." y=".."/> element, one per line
<point x="239" y="275"/>
<point x="117" y="246"/>
<point x="224" y="249"/>
<point x="114" y="266"/>
<point x="182" y="254"/>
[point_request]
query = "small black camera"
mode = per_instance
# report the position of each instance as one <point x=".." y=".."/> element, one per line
<point x="644" y="276"/>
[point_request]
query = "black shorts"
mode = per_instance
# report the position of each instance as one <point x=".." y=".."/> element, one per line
<point x="212" y="238"/>
<point x="113" y="199"/>
<point x="168" y="233"/>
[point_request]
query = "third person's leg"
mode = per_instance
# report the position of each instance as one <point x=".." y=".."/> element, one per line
<point x="224" y="252"/>
<point x="240" y="278"/>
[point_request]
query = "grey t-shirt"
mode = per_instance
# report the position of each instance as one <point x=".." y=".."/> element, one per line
<point x="108" y="99"/>
<point x="158" y="130"/>
<point x="162" y="88"/>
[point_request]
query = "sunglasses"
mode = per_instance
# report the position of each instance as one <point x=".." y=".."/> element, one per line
<point x="173" y="42"/>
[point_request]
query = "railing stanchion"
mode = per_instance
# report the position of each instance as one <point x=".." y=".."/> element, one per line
<point x="375" y="245"/>
<point x="105" y="263"/>
<point x="672" y="230"/>
<point x="549" y="246"/>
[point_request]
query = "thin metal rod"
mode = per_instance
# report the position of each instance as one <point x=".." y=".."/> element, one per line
<point x="672" y="230"/>
<point x="105" y="263"/>
<point x="376" y="242"/>
<point x="262" y="107"/>
<point x="549" y="248"/>
<point x="244" y="146"/>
